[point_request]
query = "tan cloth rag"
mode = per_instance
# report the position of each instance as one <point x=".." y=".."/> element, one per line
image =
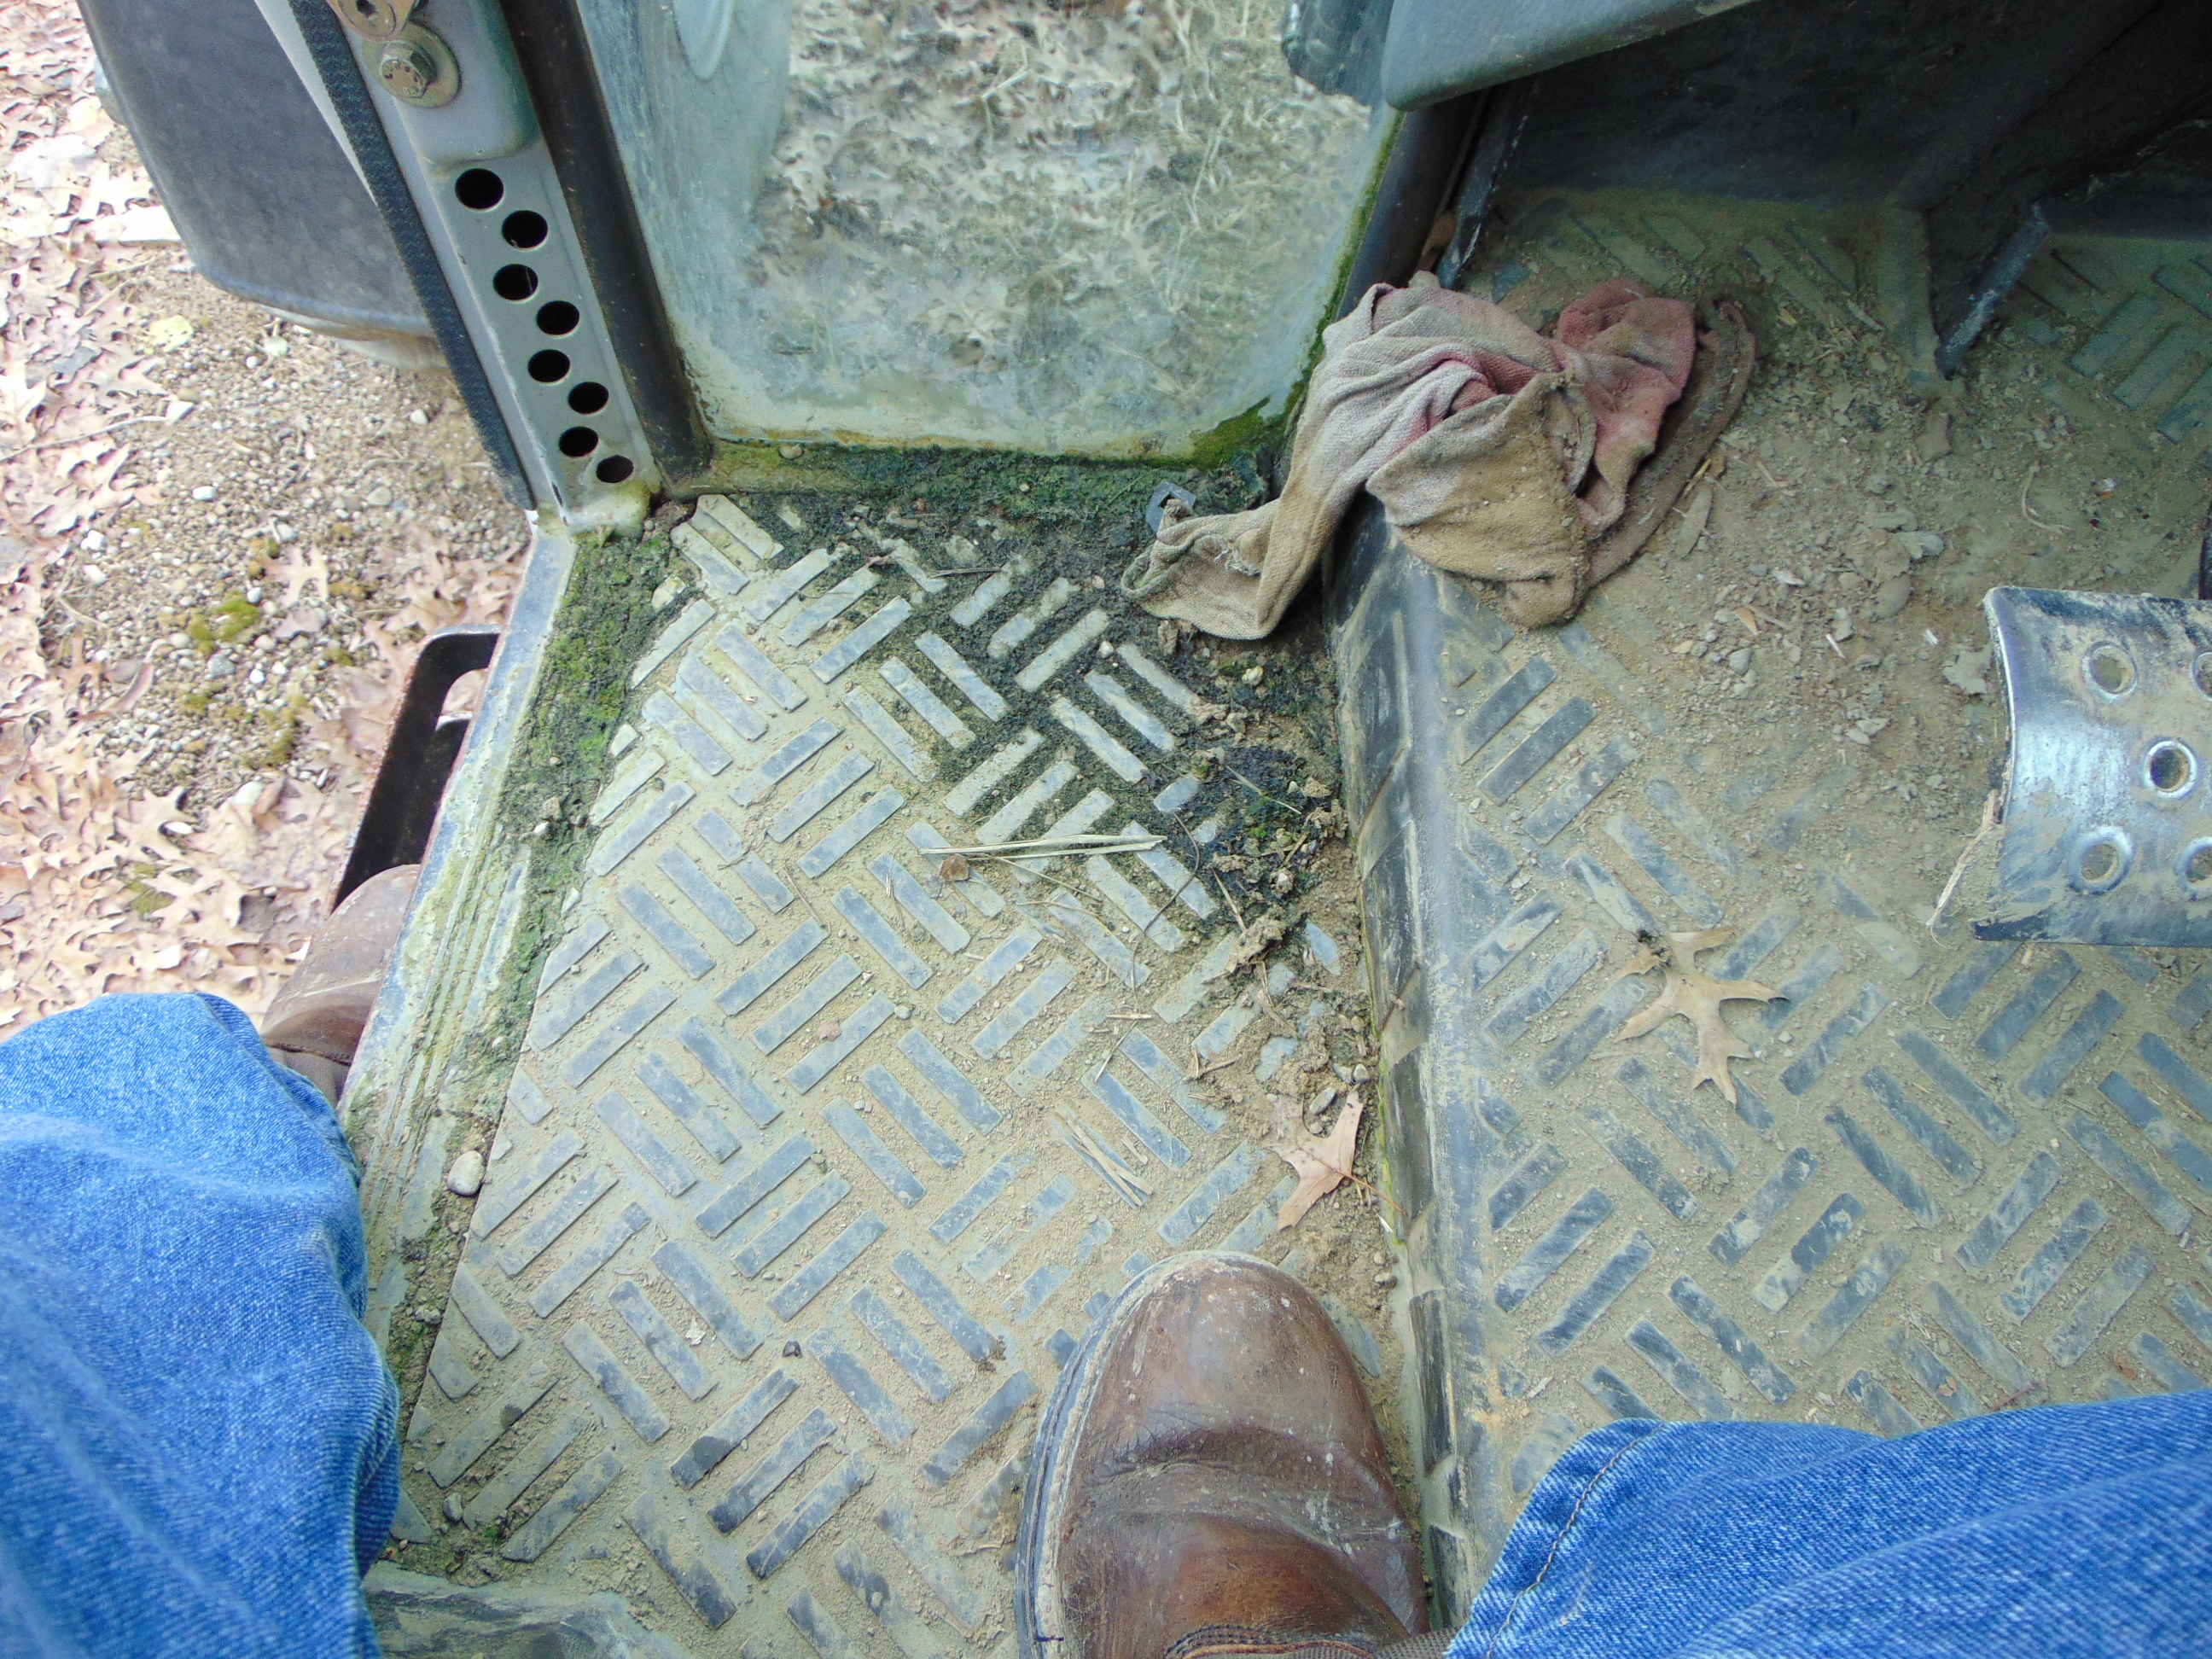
<point x="1496" y="453"/>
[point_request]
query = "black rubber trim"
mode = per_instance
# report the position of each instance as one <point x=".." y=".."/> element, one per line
<point x="2204" y="560"/>
<point x="418" y="758"/>
<point x="332" y="52"/>
<point x="1426" y="159"/>
<point x="1497" y="136"/>
<point x="556" y="55"/>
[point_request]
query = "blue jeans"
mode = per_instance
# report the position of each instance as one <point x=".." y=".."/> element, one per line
<point x="199" y="1448"/>
<point x="2044" y="1534"/>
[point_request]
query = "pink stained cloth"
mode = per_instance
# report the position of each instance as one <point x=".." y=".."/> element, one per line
<point x="1631" y="350"/>
<point x="1497" y="451"/>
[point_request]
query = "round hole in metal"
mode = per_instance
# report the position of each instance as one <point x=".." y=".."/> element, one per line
<point x="557" y="316"/>
<point x="548" y="367"/>
<point x="479" y="188"/>
<point x="2110" y="670"/>
<point x="514" y="282"/>
<point x="613" y="470"/>
<point x="2100" y="860"/>
<point x="2170" y="768"/>
<point x="579" y="442"/>
<point x="587" y="397"/>
<point x="524" y="229"/>
<point x="2195" y="866"/>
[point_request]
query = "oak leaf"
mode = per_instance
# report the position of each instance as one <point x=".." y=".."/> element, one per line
<point x="1323" y="1164"/>
<point x="1698" y="997"/>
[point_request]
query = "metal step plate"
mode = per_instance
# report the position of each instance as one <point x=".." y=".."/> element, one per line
<point x="820" y="1155"/>
<point x="1958" y="1176"/>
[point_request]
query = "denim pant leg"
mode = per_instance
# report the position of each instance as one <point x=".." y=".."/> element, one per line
<point x="198" y="1440"/>
<point x="2041" y="1534"/>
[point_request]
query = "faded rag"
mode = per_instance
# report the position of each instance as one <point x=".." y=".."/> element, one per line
<point x="1497" y="453"/>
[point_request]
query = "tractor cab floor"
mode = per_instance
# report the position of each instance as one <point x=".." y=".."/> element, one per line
<point x="1956" y="1176"/>
<point x="825" y="1145"/>
<point x="826" y="1142"/>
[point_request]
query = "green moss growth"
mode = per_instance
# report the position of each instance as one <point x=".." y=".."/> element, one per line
<point x="605" y="621"/>
<point x="1241" y="434"/>
<point x="231" y="617"/>
<point x="278" y="751"/>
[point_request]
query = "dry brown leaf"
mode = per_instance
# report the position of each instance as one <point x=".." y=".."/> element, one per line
<point x="1698" y="997"/>
<point x="1323" y="1164"/>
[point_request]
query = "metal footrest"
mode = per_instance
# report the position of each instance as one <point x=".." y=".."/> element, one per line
<point x="2107" y="815"/>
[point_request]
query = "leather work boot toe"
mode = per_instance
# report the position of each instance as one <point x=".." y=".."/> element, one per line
<point x="1208" y="1479"/>
<point x="315" y="1023"/>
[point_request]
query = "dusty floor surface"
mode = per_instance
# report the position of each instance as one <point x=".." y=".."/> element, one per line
<point x="1261" y="827"/>
<point x="222" y="537"/>
<point x="1835" y="553"/>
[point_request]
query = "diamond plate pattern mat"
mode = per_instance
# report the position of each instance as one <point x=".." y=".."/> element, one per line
<point x="825" y="1146"/>
<point x="1957" y="1176"/>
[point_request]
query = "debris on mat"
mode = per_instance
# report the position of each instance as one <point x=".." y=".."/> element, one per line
<point x="1323" y="1164"/>
<point x="1697" y="997"/>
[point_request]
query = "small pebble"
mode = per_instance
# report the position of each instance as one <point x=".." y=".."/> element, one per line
<point x="828" y="1030"/>
<point x="1739" y="660"/>
<point x="453" y="1511"/>
<point x="203" y="492"/>
<point x="466" y="1176"/>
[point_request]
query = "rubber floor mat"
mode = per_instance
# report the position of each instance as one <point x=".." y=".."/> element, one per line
<point x="827" y="1143"/>
<point x="1955" y="1176"/>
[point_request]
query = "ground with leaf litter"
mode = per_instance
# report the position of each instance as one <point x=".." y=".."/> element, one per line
<point x="222" y="537"/>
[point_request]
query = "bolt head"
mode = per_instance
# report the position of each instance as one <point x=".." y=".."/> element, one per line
<point x="407" y="69"/>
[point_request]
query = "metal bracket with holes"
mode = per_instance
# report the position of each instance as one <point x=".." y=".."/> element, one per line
<point x="466" y="143"/>
<point x="2107" y="835"/>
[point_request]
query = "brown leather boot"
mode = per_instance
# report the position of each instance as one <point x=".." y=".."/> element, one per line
<point x="315" y="1025"/>
<point x="1208" y="1477"/>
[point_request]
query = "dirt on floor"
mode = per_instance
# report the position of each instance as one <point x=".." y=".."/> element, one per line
<point x="1825" y="574"/>
<point x="222" y="537"/>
